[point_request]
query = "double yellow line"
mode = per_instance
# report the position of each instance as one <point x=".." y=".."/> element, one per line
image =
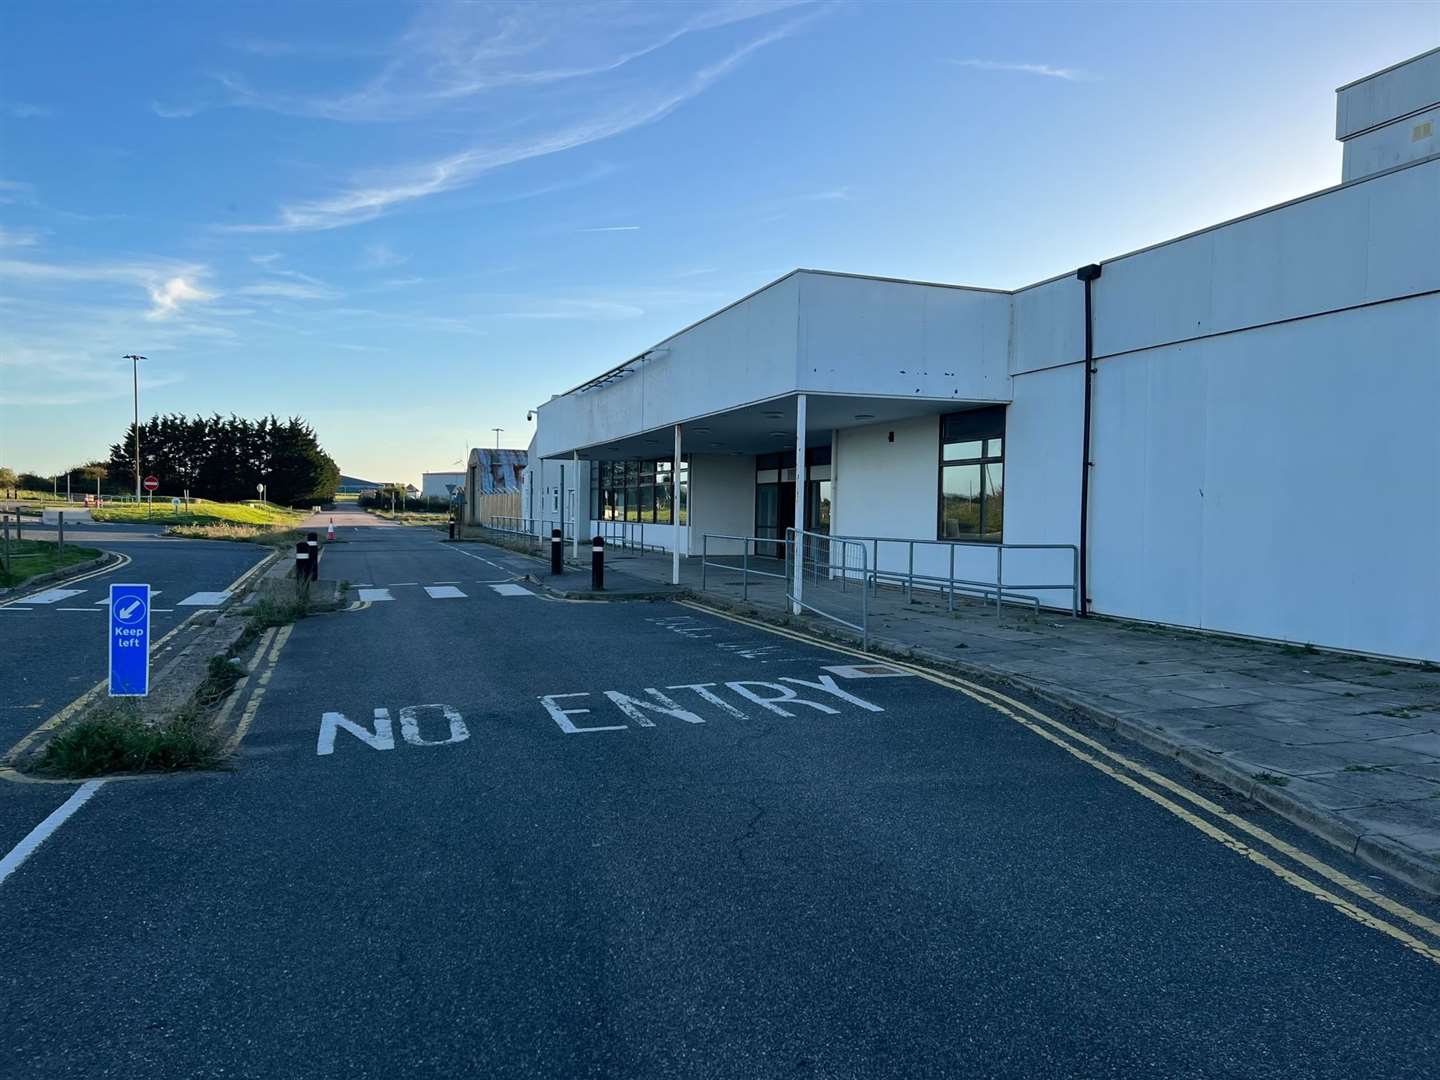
<point x="1415" y="931"/>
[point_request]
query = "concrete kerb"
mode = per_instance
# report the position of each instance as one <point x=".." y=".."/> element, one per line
<point x="64" y="573"/>
<point x="1378" y="851"/>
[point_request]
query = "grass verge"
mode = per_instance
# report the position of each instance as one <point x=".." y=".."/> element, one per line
<point x="200" y="512"/>
<point x="31" y="558"/>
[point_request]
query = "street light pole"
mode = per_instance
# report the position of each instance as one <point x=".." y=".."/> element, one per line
<point x="497" y="431"/>
<point x="135" y="377"/>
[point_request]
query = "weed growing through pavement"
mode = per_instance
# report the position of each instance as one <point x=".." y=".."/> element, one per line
<point x="116" y="738"/>
<point x="1271" y="779"/>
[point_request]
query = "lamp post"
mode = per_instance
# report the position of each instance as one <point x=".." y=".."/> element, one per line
<point x="135" y="378"/>
<point x="497" y="431"/>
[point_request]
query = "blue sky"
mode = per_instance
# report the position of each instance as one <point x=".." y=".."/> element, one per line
<point x="412" y="223"/>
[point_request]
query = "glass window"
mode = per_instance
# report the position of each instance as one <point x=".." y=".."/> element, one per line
<point x="993" y="504"/>
<point x="963" y="450"/>
<point x="960" y="502"/>
<point x="972" y="475"/>
<point x="683" y="502"/>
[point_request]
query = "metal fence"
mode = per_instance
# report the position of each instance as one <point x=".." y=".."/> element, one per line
<point x="723" y="552"/>
<point x="627" y="535"/>
<point x="831" y="581"/>
<point x="898" y="567"/>
<point x="538" y="527"/>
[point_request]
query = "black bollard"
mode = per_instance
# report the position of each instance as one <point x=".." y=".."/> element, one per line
<point x="597" y="563"/>
<point x="312" y="541"/>
<point x="302" y="561"/>
<point x="452" y="528"/>
<point x="557" y="552"/>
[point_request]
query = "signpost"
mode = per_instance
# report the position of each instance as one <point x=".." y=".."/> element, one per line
<point x="151" y="483"/>
<point x="129" y="640"/>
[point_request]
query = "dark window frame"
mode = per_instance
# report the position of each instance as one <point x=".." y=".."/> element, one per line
<point x="974" y="425"/>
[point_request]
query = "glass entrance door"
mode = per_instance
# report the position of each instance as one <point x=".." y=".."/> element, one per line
<point x="774" y="513"/>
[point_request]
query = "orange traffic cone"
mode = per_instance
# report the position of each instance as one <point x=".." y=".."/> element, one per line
<point x="330" y="532"/>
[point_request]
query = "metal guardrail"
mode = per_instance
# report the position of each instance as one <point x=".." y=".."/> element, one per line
<point x="538" y="527"/>
<point x="619" y="535"/>
<point x="748" y="556"/>
<point x="831" y="564"/>
<point x="998" y="589"/>
<point x="822" y="586"/>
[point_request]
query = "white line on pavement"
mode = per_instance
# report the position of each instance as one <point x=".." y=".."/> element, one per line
<point x="511" y="590"/>
<point x="50" y="596"/>
<point x="91" y="609"/>
<point x="205" y="599"/>
<point x="397" y="584"/>
<point x="375" y="594"/>
<point x="41" y="832"/>
<point x="444" y="592"/>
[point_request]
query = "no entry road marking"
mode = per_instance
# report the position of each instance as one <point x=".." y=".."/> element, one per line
<point x="511" y="590"/>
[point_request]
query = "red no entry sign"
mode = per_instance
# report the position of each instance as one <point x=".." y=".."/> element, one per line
<point x="151" y="483"/>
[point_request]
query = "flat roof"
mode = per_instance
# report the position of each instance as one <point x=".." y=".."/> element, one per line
<point x="620" y="367"/>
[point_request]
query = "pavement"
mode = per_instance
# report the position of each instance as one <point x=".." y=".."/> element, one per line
<point x="475" y="830"/>
<point x="1346" y="746"/>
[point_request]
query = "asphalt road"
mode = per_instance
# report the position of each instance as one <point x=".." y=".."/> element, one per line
<point x="530" y="864"/>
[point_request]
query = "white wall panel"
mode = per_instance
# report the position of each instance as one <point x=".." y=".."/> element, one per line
<point x="900" y="339"/>
<point x="722" y="496"/>
<point x="1049" y="325"/>
<point x="1282" y="483"/>
<point x="1043" y="429"/>
<point x="1370" y="241"/>
<point x="1394" y="144"/>
<point x="1385" y="95"/>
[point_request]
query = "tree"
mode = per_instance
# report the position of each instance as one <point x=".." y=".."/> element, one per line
<point x="8" y="479"/>
<point x="224" y="458"/>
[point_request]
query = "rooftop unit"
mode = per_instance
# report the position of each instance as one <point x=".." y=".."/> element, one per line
<point x="1390" y="118"/>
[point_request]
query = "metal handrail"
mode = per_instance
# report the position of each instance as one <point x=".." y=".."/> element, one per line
<point x="1000" y="589"/>
<point x="794" y="589"/>
<point x="744" y="568"/>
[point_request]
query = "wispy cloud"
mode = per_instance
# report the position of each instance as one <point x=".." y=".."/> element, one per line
<point x="16" y="191"/>
<point x="170" y="294"/>
<point x="18" y="237"/>
<point x="612" y="228"/>
<point x="380" y="256"/>
<point x="170" y="286"/>
<point x="441" y="68"/>
<point x="24" y="110"/>
<point x="288" y="290"/>
<point x="458" y="51"/>
<point x="603" y="310"/>
<point x="1046" y="70"/>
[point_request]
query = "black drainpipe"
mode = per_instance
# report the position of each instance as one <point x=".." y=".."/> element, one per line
<point x="1087" y="274"/>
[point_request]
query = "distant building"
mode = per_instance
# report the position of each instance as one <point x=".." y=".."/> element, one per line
<point x="353" y="485"/>
<point x="441" y="485"/>
<point x="496" y="472"/>
<point x="492" y="473"/>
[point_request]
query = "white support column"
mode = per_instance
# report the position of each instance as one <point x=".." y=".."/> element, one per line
<point x="834" y="499"/>
<point x="675" y="512"/>
<point x="799" y="589"/>
<point x="575" y="514"/>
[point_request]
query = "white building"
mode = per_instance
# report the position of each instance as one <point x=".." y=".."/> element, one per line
<point x="440" y="485"/>
<point x="1263" y="412"/>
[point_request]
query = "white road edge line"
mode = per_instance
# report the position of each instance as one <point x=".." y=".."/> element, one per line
<point x="41" y="832"/>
